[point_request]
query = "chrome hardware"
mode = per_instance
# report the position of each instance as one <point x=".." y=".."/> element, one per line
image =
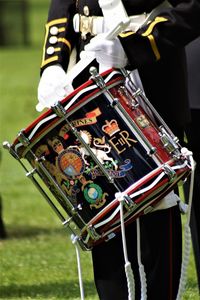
<point x="97" y="78"/>
<point x="110" y="236"/>
<point x="23" y="139"/>
<point x="59" y="110"/>
<point x="169" y="172"/>
<point x="67" y="222"/>
<point x="31" y="173"/>
<point x="93" y="234"/>
<point x="130" y="101"/>
<point x="129" y="204"/>
<point x="169" y="143"/>
<point x="7" y="146"/>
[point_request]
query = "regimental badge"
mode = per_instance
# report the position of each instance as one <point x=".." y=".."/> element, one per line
<point x="92" y="192"/>
<point x="142" y="121"/>
<point x="94" y="195"/>
<point x="71" y="163"/>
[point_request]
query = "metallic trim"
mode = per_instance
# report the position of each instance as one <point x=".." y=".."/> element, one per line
<point x="49" y="60"/>
<point x="151" y="38"/>
<point x="154" y="46"/>
<point x="62" y="29"/>
<point x="66" y="42"/>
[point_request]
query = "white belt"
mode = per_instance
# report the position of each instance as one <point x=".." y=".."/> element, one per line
<point x="95" y="24"/>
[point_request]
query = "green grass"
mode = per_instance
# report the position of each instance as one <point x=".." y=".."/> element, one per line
<point x="38" y="260"/>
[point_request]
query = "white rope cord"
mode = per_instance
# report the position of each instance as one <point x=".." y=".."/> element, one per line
<point x="142" y="273"/>
<point x="127" y="266"/>
<point x="74" y="241"/>
<point x="187" y="233"/>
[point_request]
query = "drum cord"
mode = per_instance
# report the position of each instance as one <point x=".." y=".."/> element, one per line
<point x="127" y="266"/>
<point x="187" y="232"/>
<point x="74" y="240"/>
<point x="142" y="273"/>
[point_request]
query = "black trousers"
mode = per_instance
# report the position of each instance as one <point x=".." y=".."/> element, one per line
<point x="161" y="248"/>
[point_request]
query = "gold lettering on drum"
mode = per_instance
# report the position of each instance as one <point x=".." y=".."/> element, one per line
<point x="119" y="142"/>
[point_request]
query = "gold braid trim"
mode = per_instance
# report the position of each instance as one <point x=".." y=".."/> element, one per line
<point x="148" y="34"/>
<point x="63" y="40"/>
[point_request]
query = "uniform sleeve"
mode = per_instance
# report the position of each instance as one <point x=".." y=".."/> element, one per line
<point x="59" y="34"/>
<point x="175" y="27"/>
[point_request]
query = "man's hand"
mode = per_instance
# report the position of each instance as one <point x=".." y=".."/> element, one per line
<point x="107" y="52"/>
<point x="53" y="87"/>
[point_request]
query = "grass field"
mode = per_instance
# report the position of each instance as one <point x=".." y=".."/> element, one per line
<point x="37" y="259"/>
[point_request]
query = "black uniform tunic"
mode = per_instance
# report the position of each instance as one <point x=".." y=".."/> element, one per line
<point x="168" y="93"/>
<point x="157" y="51"/>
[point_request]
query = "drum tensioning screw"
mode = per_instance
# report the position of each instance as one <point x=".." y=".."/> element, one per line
<point x="23" y="139"/>
<point x="7" y="146"/>
<point x="169" y="172"/>
<point x="97" y="78"/>
<point x="92" y="232"/>
<point x="59" y="110"/>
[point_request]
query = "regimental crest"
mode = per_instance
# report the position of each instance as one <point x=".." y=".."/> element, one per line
<point x="111" y="127"/>
<point x="94" y="195"/>
<point x="71" y="163"/>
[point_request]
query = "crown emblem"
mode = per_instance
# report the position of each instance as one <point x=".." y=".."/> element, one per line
<point x="110" y="127"/>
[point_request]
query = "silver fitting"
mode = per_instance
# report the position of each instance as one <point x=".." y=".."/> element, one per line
<point x="169" y="172"/>
<point x="59" y="110"/>
<point x="93" y="234"/>
<point x="23" y="139"/>
<point x="169" y="143"/>
<point x="97" y="78"/>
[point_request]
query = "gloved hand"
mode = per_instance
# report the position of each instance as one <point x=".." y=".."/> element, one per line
<point x="107" y="52"/>
<point x="53" y="87"/>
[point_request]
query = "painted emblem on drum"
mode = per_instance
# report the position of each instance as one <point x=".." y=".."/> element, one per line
<point x="121" y="172"/>
<point x="111" y="127"/>
<point x="119" y="139"/>
<point x="93" y="193"/>
<point x="71" y="163"/>
<point x="142" y="121"/>
<point x="69" y="186"/>
<point x="98" y="146"/>
<point x="90" y="118"/>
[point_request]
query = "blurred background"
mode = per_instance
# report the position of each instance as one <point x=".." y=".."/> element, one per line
<point x="38" y="260"/>
<point x="37" y="257"/>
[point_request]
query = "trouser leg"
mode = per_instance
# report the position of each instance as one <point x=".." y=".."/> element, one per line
<point x="161" y="256"/>
<point x="161" y="236"/>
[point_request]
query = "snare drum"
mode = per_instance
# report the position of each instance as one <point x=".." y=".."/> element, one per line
<point x="102" y="144"/>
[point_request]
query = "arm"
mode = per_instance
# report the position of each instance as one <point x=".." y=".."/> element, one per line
<point x="60" y="37"/>
<point x="175" y="27"/>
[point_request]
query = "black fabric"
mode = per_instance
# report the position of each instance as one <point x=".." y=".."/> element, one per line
<point x="161" y="256"/>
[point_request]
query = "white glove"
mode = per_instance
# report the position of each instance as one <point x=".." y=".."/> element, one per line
<point x="107" y="52"/>
<point x="53" y="87"/>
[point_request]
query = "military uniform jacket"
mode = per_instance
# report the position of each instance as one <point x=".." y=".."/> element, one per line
<point x="156" y="49"/>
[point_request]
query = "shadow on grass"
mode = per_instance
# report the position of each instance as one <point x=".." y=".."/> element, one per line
<point x="21" y="232"/>
<point x="61" y="290"/>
